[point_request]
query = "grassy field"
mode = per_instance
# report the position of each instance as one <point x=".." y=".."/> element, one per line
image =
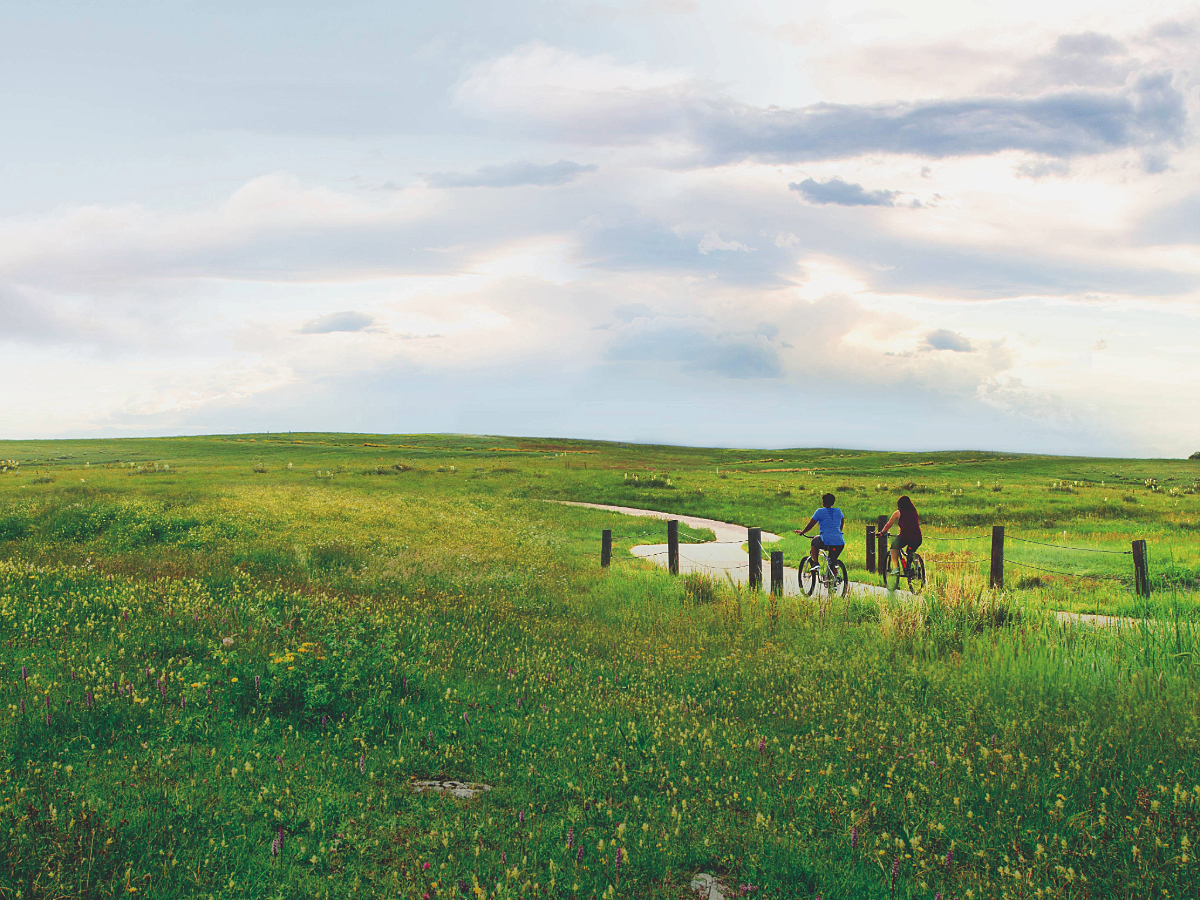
<point x="224" y="661"/>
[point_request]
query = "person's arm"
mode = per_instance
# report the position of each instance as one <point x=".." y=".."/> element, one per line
<point x="891" y="521"/>
<point x="811" y="523"/>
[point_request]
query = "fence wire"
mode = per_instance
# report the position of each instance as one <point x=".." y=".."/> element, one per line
<point x="1065" y="547"/>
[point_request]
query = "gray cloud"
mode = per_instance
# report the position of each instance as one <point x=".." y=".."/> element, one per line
<point x="700" y="347"/>
<point x="512" y="174"/>
<point x="337" y="321"/>
<point x="1070" y="123"/>
<point x="943" y="339"/>
<point x="524" y="91"/>
<point x="843" y="193"/>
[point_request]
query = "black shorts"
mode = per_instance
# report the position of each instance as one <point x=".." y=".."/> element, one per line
<point x="832" y="549"/>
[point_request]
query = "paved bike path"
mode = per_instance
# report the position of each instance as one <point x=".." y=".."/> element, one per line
<point x="722" y="558"/>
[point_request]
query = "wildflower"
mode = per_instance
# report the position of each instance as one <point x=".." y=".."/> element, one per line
<point x="208" y="694"/>
<point x="579" y="855"/>
<point x="277" y="844"/>
<point x="949" y="858"/>
<point x="425" y="867"/>
<point x="617" y="866"/>
<point x="362" y="764"/>
<point x="48" y="722"/>
<point x="895" y="870"/>
<point x="854" y="838"/>
<point x="256" y="680"/>
<point x="993" y="747"/>
<point x="570" y="836"/>
<point x="87" y="699"/>
<point x="762" y="745"/>
<point x="466" y="721"/>
<point x="504" y="857"/>
<point x="24" y="674"/>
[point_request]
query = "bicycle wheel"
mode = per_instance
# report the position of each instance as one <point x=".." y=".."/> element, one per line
<point x="916" y="574"/>
<point x="808" y="576"/>
<point x="841" y="581"/>
<point x="884" y="566"/>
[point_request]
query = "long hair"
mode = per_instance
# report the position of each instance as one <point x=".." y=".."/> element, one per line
<point x="905" y="505"/>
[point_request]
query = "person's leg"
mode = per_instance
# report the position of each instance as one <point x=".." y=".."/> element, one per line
<point x="813" y="549"/>
<point x="894" y="547"/>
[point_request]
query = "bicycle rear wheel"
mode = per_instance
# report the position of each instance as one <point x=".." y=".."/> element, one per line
<point x="916" y="574"/>
<point x="808" y="576"/>
<point x="841" y="581"/>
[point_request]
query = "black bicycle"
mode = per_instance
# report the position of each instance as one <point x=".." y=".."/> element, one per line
<point x="830" y="573"/>
<point x="912" y="569"/>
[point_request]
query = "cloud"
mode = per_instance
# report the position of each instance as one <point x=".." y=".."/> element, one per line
<point x="514" y="174"/>
<point x="712" y="241"/>
<point x="1040" y="168"/>
<point x="337" y="321"/>
<point x="700" y="346"/>
<point x="943" y="339"/>
<point x="596" y="100"/>
<point x="842" y="193"/>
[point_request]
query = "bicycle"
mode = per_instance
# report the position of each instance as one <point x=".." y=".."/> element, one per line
<point x="830" y="573"/>
<point x="912" y="568"/>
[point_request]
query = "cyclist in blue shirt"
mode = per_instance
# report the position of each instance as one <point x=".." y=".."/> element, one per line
<point x="830" y="520"/>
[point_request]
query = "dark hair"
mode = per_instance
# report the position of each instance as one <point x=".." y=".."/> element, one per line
<point x="905" y="505"/>
<point x="827" y="500"/>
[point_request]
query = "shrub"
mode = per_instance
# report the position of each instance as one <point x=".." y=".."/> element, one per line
<point x="1195" y="455"/>
<point x="261" y="468"/>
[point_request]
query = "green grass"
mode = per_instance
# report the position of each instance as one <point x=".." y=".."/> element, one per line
<point x="403" y="608"/>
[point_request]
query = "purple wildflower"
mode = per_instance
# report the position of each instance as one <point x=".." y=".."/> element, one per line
<point x="277" y="844"/>
<point x="279" y="759"/>
<point x="504" y="857"/>
<point x="618" y="866"/>
<point x="362" y="764"/>
<point x="182" y="702"/>
<point x="993" y="742"/>
<point x="518" y="703"/>
<point x="256" y="680"/>
<point x="937" y="896"/>
<point x="87" y="698"/>
<point x="24" y="674"/>
<point x="949" y="858"/>
<point x="208" y="694"/>
<point x="466" y="720"/>
<point x="22" y="705"/>
<point x="762" y="745"/>
<point x="579" y="855"/>
<point x="521" y="817"/>
<point x="895" y="870"/>
<point x="570" y="836"/>
<point x="47" y="718"/>
<point x="854" y="838"/>
<point x="324" y="721"/>
<point x="463" y="887"/>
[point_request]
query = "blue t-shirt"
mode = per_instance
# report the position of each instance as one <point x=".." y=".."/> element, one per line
<point x="830" y="520"/>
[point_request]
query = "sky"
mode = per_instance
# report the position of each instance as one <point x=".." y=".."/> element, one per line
<point x="930" y="225"/>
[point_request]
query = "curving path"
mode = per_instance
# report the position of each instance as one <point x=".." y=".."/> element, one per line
<point x="721" y="558"/>
<point x="724" y="558"/>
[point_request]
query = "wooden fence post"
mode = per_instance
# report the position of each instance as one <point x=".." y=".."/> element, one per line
<point x="996" y="578"/>
<point x="605" y="548"/>
<point x="777" y="573"/>
<point x="755" y="551"/>
<point x="870" y="548"/>
<point x="1141" y="569"/>
<point x="882" y="560"/>
<point x="673" y="546"/>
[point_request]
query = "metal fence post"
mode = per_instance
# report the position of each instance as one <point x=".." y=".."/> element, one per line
<point x="605" y="548"/>
<point x="870" y="548"/>
<point x="755" y="551"/>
